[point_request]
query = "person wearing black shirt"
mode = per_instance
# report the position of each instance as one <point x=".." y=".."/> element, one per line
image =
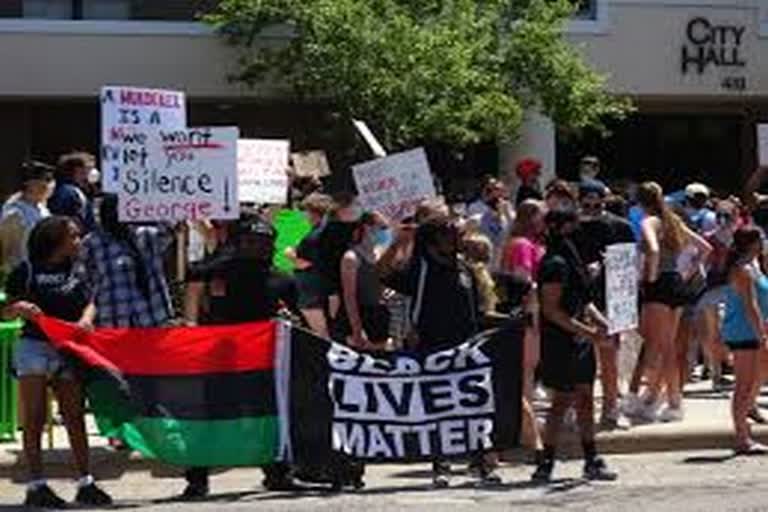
<point x="570" y="327"/>
<point x="445" y="303"/>
<point x="48" y="283"/>
<point x="242" y="287"/>
<point x="598" y="229"/>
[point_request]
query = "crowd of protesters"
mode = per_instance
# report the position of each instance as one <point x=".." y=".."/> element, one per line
<point x="423" y="283"/>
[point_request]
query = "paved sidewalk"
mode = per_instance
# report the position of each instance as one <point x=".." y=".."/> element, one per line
<point x="707" y="425"/>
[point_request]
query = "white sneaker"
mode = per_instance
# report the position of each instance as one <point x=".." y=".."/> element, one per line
<point x="648" y="412"/>
<point x="671" y="414"/>
<point x="631" y="405"/>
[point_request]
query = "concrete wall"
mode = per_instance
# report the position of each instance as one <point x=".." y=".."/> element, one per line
<point x="73" y="59"/>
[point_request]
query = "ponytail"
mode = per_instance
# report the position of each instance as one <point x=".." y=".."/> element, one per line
<point x="651" y="197"/>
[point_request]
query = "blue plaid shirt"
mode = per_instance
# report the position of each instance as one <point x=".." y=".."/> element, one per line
<point x="109" y="266"/>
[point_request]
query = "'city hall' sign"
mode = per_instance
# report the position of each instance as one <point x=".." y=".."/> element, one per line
<point x="711" y="45"/>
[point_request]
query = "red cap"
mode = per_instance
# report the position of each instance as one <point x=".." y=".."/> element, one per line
<point x="528" y="168"/>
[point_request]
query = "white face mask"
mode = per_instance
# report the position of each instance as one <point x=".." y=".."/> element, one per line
<point x="94" y="176"/>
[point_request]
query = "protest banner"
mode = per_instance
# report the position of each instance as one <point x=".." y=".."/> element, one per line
<point x="762" y="144"/>
<point x="262" y="170"/>
<point x="129" y="117"/>
<point x="621" y="290"/>
<point x="291" y="226"/>
<point x="190" y="174"/>
<point x="277" y="392"/>
<point x="398" y="407"/>
<point x="395" y="185"/>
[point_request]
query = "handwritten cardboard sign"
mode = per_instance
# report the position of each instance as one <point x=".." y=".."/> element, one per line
<point x="262" y="168"/>
<point x="310" y="163"/>
<point x="395" y="185"/>
<point x="129" y="117"/>
<point x="762" y="144"/>
<point x="190" y="174"/>
<point x="621" y="287"/>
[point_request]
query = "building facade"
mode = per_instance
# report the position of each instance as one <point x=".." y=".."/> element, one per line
<point x="697" y="70"/>
<point x="698" y="73"/>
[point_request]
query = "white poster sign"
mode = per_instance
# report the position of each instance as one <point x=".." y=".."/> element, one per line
<point x="191" y="174"/>
<point x="262" y="168"/>
<point x="395" y="185"/>
<point x="762" y="144"/>
<point x="129" y="117"/>
<point x="621" y="289"/>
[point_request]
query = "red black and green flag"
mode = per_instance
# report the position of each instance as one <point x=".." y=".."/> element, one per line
<point x="204" y="396"/>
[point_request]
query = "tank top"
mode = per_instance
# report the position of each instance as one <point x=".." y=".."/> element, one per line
<point x="369" y="287"/>
<point x="736" y="325"/>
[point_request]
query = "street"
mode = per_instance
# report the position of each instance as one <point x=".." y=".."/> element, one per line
<point x="696" y="481"/>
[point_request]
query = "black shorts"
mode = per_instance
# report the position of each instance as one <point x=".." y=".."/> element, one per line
<point x="742" y="345"/>
<point x="669" y="289"/>
<point x="566" y="362"/>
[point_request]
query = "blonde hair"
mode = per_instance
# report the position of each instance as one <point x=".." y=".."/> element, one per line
<point x="478" y="252"/>
<point x="650" y="195"/>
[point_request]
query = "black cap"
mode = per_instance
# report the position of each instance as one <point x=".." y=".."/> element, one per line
<point x="33" y="170"/>
<point x="251" y="225"/>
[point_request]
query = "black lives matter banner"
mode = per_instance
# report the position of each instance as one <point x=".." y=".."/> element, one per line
<point x="405" y="407"/>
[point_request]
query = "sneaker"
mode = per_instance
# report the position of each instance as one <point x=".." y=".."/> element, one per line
<point x="648" y="412"/>
<point x="631" y="405"/>
<point x="284" y="484"/>
<point x="92" y="496"/>
<point x="543" y="473"/>
<point x="195" y="491"/>
<point x="672" y="414"/>
<point x="485" y="474"/>
<point x="597" y="470"/>
<point x="441" y="481"/>
<point x="757" y="416"/>
<point x="752" y="448"/>
<point x="613" y="421"/>
<point x="43" y="497"/>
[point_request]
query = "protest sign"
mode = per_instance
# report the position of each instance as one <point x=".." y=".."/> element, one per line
<point x="129" y="117"/>
<point x="291" y="226"/>
<point x="399" y="407"/>
<point x="762" y="144"/>
<point x="621" y="288"/>
<point x="262" y="170"/>
<point x="190" y="174"/>
<point x="310" y="163"/>
<point x="395" y="185"/>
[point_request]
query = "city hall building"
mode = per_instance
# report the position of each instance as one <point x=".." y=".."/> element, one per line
<point x="696" y="69"/>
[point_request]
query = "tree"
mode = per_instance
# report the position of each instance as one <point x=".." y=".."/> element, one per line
<point x="457" y="72"/>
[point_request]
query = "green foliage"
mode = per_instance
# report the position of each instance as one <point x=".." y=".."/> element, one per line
<point x="451" y="71"/>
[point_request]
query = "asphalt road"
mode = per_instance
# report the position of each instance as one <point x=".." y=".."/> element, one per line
<point x="695" y="481"/>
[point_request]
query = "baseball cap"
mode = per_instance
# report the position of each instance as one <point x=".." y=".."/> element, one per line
<point x="696" y="189"/>
<point x="250" y="225"/>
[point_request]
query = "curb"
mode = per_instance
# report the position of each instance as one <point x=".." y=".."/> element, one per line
<point x="108" y="464"/>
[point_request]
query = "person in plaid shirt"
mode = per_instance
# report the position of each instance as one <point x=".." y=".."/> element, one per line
<point x="124" y="265"/>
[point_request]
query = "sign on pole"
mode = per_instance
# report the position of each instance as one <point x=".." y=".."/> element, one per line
<point x="191" y="174"/>
<point x="262" y="169"/>
<point x="395" y="185"/>
<point x="129" y="117"/>
<point x="621" y="290"/>
<point x="762" y="144"/>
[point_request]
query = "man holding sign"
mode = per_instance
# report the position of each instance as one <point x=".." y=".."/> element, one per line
<point x="599" y="230"/>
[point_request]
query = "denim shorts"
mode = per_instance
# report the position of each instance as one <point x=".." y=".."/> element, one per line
<point x="33" y="357"/>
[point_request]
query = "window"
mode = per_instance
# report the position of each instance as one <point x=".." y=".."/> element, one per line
<point x="78" y="9"/>
<point x="586" y="9"/>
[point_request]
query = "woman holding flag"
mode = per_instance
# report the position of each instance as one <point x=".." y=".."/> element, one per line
<point x="48" y="284"/>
